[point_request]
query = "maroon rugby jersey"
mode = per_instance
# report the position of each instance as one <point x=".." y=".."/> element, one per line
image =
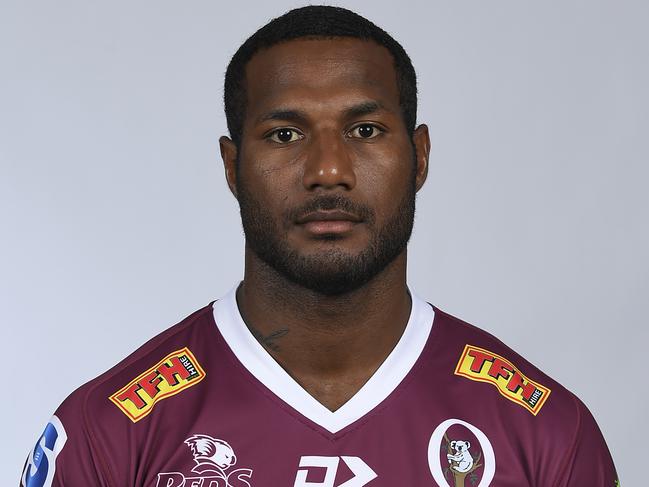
<point x="204" y="405"/>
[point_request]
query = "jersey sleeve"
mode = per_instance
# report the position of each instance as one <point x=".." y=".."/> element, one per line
<point x="64" y="454"/>
<point x="589" y="461"/>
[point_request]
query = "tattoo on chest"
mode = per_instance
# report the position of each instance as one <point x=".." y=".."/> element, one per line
<point x="269" y="341"/>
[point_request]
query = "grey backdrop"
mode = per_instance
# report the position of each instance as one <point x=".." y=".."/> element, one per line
<point x="116" y="221"/>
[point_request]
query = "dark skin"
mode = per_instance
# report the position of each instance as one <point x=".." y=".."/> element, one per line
<point x="323" y="116"/>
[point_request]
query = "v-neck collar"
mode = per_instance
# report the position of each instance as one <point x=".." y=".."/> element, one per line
<point x="382" y="383"/>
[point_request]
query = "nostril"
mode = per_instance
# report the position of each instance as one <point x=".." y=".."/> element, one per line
<point x="329" y="172"/>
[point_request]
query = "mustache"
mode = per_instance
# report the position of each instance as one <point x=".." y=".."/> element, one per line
<point x="329" y="203"/>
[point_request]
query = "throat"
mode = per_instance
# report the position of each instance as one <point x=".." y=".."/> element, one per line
<point x="330" y="345"/>
<point x="331" y="367"/>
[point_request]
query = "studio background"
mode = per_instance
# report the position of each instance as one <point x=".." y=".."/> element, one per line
<point x="116" y="220"/>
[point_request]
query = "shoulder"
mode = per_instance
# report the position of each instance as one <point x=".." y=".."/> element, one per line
<point x="480" y="358"/>
<point x="515" y="401"/>
<point x="518" y="399"/>
<point x="174" y="347"/>
<point x="89" y="430"/>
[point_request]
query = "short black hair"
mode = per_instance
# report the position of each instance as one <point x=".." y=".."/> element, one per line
<point x="315" y="21"/>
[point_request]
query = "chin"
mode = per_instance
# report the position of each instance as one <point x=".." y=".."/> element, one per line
<point x="330" y="273"/>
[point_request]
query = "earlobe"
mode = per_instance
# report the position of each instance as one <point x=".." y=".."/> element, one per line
<point x="421" y="141"/>
<point x="229" y="156"/>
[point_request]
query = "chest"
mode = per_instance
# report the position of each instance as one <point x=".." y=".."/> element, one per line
<point x="245" y="437"/>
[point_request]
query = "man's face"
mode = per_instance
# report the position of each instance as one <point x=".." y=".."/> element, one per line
<point x="326" y="172"/>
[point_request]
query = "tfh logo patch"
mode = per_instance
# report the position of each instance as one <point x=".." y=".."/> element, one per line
<point x="171" y="375"/>
<point x="482" y="365"/>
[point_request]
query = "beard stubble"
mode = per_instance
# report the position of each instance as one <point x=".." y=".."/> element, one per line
<point x="334" y="271"/>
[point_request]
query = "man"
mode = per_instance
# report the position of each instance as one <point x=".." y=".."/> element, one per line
<point x="322" y="368"/>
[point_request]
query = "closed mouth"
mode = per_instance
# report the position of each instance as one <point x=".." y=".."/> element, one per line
<point x="328" y="215"/>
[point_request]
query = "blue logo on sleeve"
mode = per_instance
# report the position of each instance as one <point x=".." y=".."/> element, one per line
<point x="39" y="471"/>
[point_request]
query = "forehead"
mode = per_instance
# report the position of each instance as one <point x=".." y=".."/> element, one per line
<point x="318" y="71"/>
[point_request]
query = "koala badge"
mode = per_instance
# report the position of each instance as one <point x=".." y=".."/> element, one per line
<point x="461" y="460"/>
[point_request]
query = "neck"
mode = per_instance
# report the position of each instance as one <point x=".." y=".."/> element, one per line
<point x="330" y="344"/>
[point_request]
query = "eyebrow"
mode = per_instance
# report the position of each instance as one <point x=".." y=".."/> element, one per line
<point x="364" y="108"/>
<point x="284" y="115"/>
<point x="291" y="115"/>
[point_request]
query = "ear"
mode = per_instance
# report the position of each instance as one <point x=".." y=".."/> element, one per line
<point x="229" y="156"/>
<point x="468" y="445"/>
<point x="421" y="141"/>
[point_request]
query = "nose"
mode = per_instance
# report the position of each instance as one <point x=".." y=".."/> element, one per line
<point x="328" y="164"/>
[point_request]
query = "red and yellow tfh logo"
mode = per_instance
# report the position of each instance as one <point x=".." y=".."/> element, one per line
<point x="482" y="365"/>
<point x="177" y="371"/>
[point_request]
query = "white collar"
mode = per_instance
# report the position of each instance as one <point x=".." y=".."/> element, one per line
<point x="385" y="380"/>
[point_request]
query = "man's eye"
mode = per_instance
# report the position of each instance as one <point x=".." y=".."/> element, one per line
<point x="365" y="131"/>
<point x="284" y="136"/>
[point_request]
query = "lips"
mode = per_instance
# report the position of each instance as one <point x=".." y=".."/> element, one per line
<point x="328" y="222"/>
<point x="328" y="215"/>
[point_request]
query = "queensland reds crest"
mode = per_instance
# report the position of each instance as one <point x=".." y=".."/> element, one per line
<point x="213" y="459"/>
<point x="460" y="454"/>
